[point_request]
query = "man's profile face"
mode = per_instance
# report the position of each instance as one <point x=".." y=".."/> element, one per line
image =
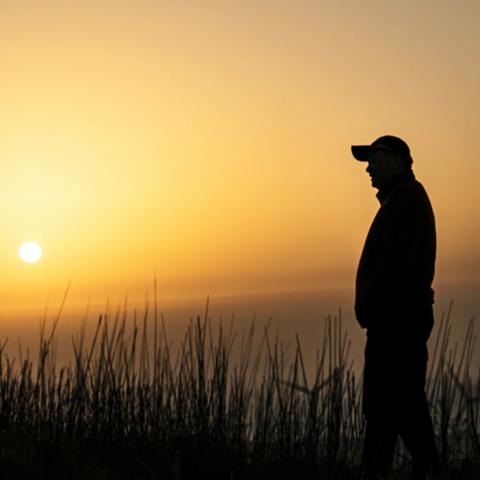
<point x="382" y="166"/>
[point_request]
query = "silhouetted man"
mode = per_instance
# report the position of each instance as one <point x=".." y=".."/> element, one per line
<point x="393" y="301"/>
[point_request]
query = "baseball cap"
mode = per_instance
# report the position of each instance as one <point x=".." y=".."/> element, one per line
<point x="387" y="142"/>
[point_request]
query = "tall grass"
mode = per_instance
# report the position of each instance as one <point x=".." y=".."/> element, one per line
<point x="128" y="406"/>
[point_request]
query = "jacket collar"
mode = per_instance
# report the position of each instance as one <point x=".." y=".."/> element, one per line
<point x="396" y="180"/>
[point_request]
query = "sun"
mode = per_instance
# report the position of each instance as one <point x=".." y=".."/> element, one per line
<point x="30" y="252"/>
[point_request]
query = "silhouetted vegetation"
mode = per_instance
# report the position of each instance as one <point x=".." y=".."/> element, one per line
<point x="130" y="407"/>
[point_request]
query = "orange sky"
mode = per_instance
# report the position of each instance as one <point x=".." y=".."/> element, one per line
<point x="210" y="140"/>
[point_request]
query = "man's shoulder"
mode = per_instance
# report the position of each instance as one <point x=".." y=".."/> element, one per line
<point x="411" y="190"/>
<point x="410" y="200"/>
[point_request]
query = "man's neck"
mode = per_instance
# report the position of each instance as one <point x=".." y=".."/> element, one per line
<point x="397" y="179"/>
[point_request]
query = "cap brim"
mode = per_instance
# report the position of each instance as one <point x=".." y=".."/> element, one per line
<point x="360" y="152"/>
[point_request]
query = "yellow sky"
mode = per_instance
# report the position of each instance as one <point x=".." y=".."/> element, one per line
<point x="210" y="140"/>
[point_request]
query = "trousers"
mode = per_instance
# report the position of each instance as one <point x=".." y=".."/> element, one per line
<point x="395" y="405"/>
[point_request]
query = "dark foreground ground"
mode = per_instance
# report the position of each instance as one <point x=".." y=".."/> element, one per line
<point x="23" y="458"/>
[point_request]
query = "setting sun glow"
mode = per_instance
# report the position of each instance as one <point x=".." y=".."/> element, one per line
<point x="211" y="141"/>
<point x="30" y="252"/>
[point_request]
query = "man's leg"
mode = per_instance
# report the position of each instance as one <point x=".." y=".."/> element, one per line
<point x="379" y="447"/>
<point x="378" y="407"/>
<point x="417" y="433"/>
<point x="416" y="429"/>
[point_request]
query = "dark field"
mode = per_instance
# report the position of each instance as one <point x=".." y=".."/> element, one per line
<point x="129" y="406"/>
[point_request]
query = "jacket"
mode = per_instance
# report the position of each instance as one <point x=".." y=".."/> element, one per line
<point x="397" y="264"/>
